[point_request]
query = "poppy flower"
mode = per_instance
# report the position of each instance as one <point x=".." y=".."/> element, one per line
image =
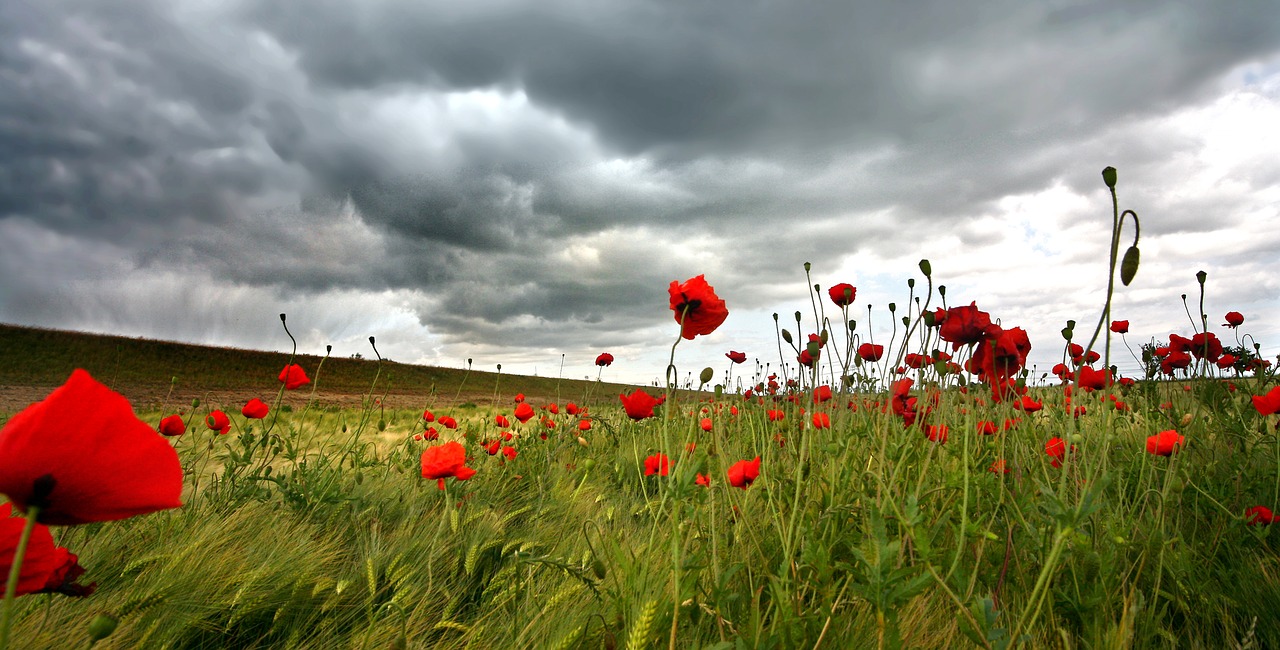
<point x="524" y="412"/>
<point x="706" y="424"/>
<point x="697" y="307"/>
<point x="1259" y="515"/>
<point x="519" y="398"/>
<point x="509" y="452"/>
<point x="442" y="461"/>
<point x="428" y="416"/>
<point x="604" y="359"/>
<point x="842" y="294"/>
<point x="255" y="409"/>
<point x="584" y="425"/>
<point x="775" y="415"/>
<point x="999" y="467"/>
<point x="431" y="434"/>
<point x="869" y="352"/>
<point x="821" y="421"/>
<point x="1206" y="346"/>
<point x="964" y="325"/>
<point x="938" y="433"/>
<point x="736" y="357"/>
<point x="173" y="426"/>
<point x="1094" y="379"/>
<point x="639" y="404"/>
<point x="1056" y="450"/>
<point x="218" y="421"/>
<point x="1164" y="443"/>
<point x="46" y="568"/>
<point x="571" y="408"/>
<point x="1028" y="405"/>
<point x="502" y="422"/>
<point x="81" y="455"/>
<point x="657" y="464"/>
<point x="703" y="480"/>
<point x="821" y="394"/>
<point x="1234" y="319"/>
<point x="744" y="472"/>
<point x="1120" y="326"/>
<point x="294" y="377"/>
<point x="1269" y="403"/>
<point x="987" y="428"/>
<point x="554" y="409"/>
<point x="492" y="447"/>
<point x="447" y="422"/>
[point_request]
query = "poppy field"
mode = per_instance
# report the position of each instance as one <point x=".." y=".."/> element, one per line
<point x="911" y="485"/>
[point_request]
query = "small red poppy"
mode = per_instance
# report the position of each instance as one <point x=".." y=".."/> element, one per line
<point x="1120" y="326"/>
<point x="706" y="424"/>
<point x="428" y="416"/>
<point x="657" y="464"/>
<point x="255" y="409"/>
<point x="604" y="359"/>
<point x="1269" y="403"/>
<point x="173" y="426"/>
<point x="1234" y="319"/>
<point x="736" y="357"/>
<point x="639" y="404"/>
<point x="46" y="568"/>
<point x="870" y="352"/>
<point x="218" y="421"/>
<point x="447" y="422"/>
<point x="744" y="472"/>
<point x="294" y="377"/>
<point x="842" y="294"/>
<point x="1165" y="443"/>
<point x="703" y="480"/>
<point x="442" y="461"/>
<point x="524" y="412"/>
<point x="1259" y="515"/>
<point x="821" y="421"/>
<point x="502" y="422"/>
<point x="696" y="307"/>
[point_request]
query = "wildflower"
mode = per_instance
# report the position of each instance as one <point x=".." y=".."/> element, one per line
<point x="46" y="568"/>
<point x="571" y="408"/>
<point x="1269" y="403"/>
<point x="639" y="405"/>
<point x="1120" y="326"/>
<point x="428" y="416"/>
<point x="1234" y="319"/>
<point x="842" y="294"/>
<point x="509" y="452"/>
<point x="1259" y="515"/>
<point x="696" y="307"/>
<point x="775" y="415"/>
<point x="736" y="357"/>
<point x="584" y="425"/>
<point x="1028" y="405"/>
<point x="447" y="422"/>
<point x="744" y="472"/>
<point x="964" y="325"/>
<point x="999" y="467"/>
<point x="937" y="433"/>
<point x="173" y="426"/>
<point x="821" y="421"/>
<point x="987" y="428"/>
<point x="604" y="359"/>
<point x="703" y="480"/>
<point x="869" y="352"/>
<point x="1094" y="379"/>
<point x="1056" y="450"/>
<point x="442" y="461"/>
<point x="502" y="422"/>
<point x="524" y="412"/>
<point x="519" y="398"/>
<point x="218" y="421"/>
<point x="294" y="377"/>
<point x="706" y="424"/>
<point x="821" y="394"/>
<point x="657" y="464"/>
<point x="255" y="409"/>
<point x="1164" y="443"/>
<point x="431" y="434"/>
<point x="81" y="455"/>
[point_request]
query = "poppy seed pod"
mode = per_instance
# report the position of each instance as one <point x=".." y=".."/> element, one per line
<point x="1109" y="177"/>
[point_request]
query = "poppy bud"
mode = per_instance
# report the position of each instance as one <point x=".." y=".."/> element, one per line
<point x="328" y="349"/>
<point x="786" y="336"/>
<point x="893" y="306"/>
<point x="807" y="266"/>
<point x="853" y="325"/>
<point x="926" y="268"/>
<point x="823" y="336"/>
<point x="1129" y="267"/>
<point x="911" y="283"/>
<point x="942" y="290"/>
<point x="1066" y="333"/>
<point x="707" y="374"/>
<point x="906" y="321"/>
<point x="797" y="317"/>
<point x="929" y="318"/>
<point x="195" y="402"/>
<point x="102" y="626"/>
<point x="582" y="441"/>
<point x="1200" y="276"/>
<point x="1109" y="177"/>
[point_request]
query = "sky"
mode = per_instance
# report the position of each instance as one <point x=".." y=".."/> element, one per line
<point x="518" y="182"/>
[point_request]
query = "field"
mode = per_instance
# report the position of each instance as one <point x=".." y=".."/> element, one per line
<point x="924" y="494"/>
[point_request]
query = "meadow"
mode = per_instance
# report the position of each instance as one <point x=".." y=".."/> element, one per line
<point x="920" y="489"/>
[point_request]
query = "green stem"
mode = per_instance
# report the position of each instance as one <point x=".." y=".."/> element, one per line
<point x="15" y="572"/>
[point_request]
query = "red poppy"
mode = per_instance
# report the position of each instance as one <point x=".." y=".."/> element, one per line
<point x="173" y="426"/>
<point x="502" y="422"/>
<point x="218" y="421"/>
<point x="703" y="480"/>
<point x="1234" y="319"/>
<point x="604" y="359"/>
<point x="999" y="467"/>
<point x="447" y="422"/>
<point x="81" y="455"/>
<point x="1164" y="443"/>
<point x="1094" y="379"/>
<point x="1269" y="403"/>
<point x="294" y="377"/>
<point x="524" y="412"/>
<point x="554" y="409"/>
<point x="428" y="416"/>
<point x="1259" y="515"/>
<point x="431" y="434"/>
<point x="46" y="568"/>
<point x="937" y="433"/>
<point x="1026" y="404"/>
<point x="509" y="452"/>
<point x="964" y="325"/>
<point x="492" y="447"/>
<point x="519" y="398"/>
<point x="736" y="357"/>
<point x="571" y="408"/>
<point x="1056" y="450"/>
<point x="744" y="472"/>
<point x="706" y="424"/>
<point x="821" y="421"/>
<point x="1120" y="326"/>
<point x="584" y="425"/>
<point x="1206" y="346"/>
<point x="255" y="409"/>
<point x="821" y="394"/>
<point x="987" y="428"/>
<point x="657" y="464"/>
<point x="842" y="294"/>
<point x="639" y="404"/>
<point x="869" y="352"/>
<point x="775" y="415"/>
<point x="696" y="305"/>
<point x="442" y="461"/>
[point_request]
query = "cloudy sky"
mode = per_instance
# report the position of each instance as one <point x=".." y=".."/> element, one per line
<point x="512" y="181"/>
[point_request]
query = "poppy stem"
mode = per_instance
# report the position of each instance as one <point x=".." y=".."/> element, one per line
<point x="15" y="573"/>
